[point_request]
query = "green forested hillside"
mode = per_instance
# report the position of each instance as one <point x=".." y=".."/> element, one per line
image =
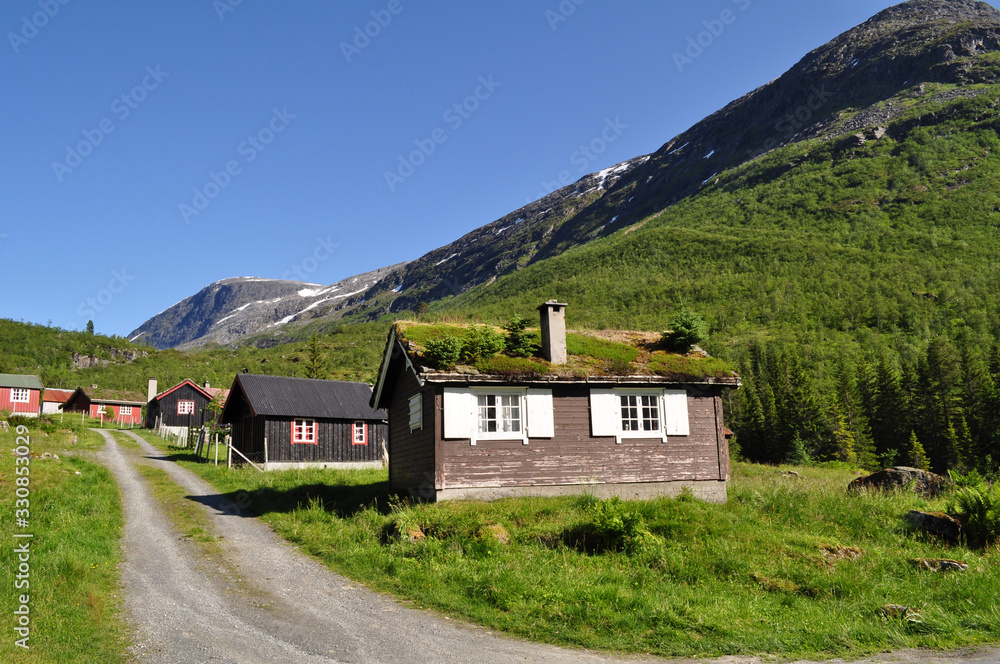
<point x="350" y="352"/>
<point x="830" y="258"/>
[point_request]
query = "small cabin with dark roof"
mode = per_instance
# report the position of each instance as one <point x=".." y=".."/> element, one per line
<point x="605" y="413"/>
<point x="285" y="423"/>
<point x="183" y="406"/>
<point x="117" y="406"/>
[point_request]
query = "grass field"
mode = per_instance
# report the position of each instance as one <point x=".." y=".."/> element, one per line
<point x="791" y="565"/>
<point x="74" y="514"/>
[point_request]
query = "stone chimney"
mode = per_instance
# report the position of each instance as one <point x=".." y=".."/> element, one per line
<point x="208" y="385"/>
<point x="553" y="315"/>
<point x="151" y="390"/>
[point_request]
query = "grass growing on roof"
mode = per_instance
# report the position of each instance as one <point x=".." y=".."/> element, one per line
<point x="790" y="566"/>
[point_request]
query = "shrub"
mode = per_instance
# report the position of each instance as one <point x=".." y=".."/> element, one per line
<point x="978" y="508"/>
<point x="481" y="342"/>
<point x="686" y="329"/>
<point x="513" y="367"/>
<point x="445" y="352"/>
<point x="516" y="342"/>
<point x="617" y="527"/>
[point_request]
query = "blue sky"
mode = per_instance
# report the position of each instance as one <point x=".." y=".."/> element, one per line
<point x="150" y="148"/>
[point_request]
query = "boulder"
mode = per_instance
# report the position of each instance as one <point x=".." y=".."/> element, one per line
<point x="925" y="483"/>
<point x="940" y="564"/>
<point x="936" y="523"/>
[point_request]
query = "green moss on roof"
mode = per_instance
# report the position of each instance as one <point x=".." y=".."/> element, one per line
<point x="590" y="354"/>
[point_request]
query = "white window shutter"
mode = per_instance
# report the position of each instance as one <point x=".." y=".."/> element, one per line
<point x="676" y="412"/>
<point x="541" y="423"/>
<point x="605" y="413"/>
<point x="459" y="413"/>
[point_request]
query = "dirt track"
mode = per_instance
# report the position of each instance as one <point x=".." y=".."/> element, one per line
<point x="270" y="603"/>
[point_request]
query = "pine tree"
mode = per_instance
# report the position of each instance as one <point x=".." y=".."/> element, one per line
<point x="915" y="456"/>
<point x="315" y="362"/>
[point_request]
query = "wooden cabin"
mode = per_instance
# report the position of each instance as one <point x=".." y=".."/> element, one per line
<point x="185" y="405"/>
<point x="20" y="395"/>
<point x="285" y="423"/>
<point x="611" y="415"/>
<point x="53" y="400"/>
<point x="115" y="406"/>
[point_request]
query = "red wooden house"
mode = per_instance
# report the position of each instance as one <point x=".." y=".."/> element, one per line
<point x="21" y="395"/>
<point x="113" y="406"/>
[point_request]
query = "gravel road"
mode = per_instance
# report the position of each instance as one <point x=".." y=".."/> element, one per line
<point x="268" y="602"/>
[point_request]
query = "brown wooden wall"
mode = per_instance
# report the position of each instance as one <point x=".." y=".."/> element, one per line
<point x="333" y="442"/>
<point x="411" y="455"/>
<point x="574" y="457"/>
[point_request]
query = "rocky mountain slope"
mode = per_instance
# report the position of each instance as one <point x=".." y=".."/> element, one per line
<point x="919" y="52"/>
<point x="230" y="309"/>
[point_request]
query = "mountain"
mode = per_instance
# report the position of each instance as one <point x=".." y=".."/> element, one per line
<point x="230" y="309"/>
<point x="866" y="85"/>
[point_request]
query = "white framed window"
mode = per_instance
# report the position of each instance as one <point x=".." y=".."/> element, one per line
<point x="498" y="414"/>
<point x="185" y="407"/>
<point x="20" y="395"/>
<point x="639" y="413"/>
<point x="360" y="434"/>
<point x="304" y="432"/>
<point x="125" y="411"/>
<point x="416" y="411"/>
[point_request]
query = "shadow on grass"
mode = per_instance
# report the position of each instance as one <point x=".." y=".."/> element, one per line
<point x="342" y="500"/>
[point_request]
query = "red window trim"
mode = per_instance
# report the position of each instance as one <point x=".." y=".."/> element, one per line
<point x="305" y="427"/>
<point x="364" y="433"/>
<point x="180" y="401"/>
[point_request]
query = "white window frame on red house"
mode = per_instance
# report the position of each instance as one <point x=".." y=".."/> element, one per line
<point x="125" y="411"/>
<point x="359" y="428"/>
<point x="304" y="432"/>
<point x="184" y="410"/>
<point x="20" y="395"/>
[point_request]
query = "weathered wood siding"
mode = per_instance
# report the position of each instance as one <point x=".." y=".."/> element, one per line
<point x="167" y="407"/>
<point x="411" y="454"/>
<point x="334" y="442"/>
<point x="573" y="456"/>
<point x="247" y="432"/>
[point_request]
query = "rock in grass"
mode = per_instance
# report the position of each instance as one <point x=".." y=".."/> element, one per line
<point x="936" y="523"/>
<point x="940" y="564"/>
<point x="926" y="484"/>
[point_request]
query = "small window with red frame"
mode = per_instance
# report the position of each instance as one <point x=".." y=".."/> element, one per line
<point x="304" y="432"/>
<point x="360" y="434"/>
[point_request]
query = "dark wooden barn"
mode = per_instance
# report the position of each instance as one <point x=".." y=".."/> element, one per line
<point x="282" y="423"/>
<point x="182" y="406"/>
<point x="572" y="424"/>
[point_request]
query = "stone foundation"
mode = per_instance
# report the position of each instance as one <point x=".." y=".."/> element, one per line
<point x="708" y="491"/>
